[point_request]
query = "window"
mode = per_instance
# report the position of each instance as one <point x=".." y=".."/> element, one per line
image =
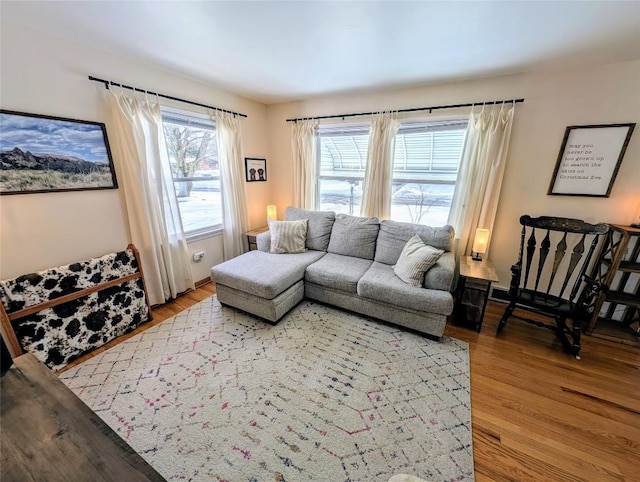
<point x="193" y="154"/>
<point x="425" y="167"/>
<point x="342" y="154"/>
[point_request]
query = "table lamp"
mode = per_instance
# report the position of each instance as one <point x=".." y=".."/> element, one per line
<point x="272" y="212"/>
<point x="480" y="243"/>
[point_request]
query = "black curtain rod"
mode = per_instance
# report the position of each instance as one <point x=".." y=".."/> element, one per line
<point x="432" y="108"/>
<point x="107" y="83"/>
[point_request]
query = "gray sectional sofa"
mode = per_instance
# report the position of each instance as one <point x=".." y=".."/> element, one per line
<point x="348" y="262"/>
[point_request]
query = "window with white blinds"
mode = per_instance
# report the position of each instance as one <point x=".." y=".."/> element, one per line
<point x="342" y="154"/>
<point x="428" y="148"/>
<point x="343" y="151"/>
<point x="425" y="168"/>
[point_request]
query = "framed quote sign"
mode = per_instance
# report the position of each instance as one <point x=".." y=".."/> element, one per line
<point x="589" y="159"/>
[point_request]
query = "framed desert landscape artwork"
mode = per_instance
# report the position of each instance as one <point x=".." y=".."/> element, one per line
<point x="43" y="154"/>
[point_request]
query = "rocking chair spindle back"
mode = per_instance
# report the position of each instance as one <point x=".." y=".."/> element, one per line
<point x="543" y="288"/>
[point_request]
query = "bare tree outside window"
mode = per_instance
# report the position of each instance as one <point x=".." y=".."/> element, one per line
<point x="417" y="202"/>
<point x="189" y="150"/>
<point x="426" y="157"/>
<point x="193" y="156"/>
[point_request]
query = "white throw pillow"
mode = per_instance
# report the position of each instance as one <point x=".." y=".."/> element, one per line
<point x="415" y="260"/>
<point x="288" y="236"/>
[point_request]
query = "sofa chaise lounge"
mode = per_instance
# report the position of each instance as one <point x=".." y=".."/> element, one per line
<point x="348" y="261"/>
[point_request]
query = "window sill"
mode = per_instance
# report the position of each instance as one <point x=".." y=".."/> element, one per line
<point x="204" y="234"/>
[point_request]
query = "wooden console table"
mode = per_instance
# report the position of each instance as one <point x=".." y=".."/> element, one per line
<point x="49" y="434"/>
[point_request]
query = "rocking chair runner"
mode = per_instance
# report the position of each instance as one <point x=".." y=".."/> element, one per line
<point x="545" y="293"/>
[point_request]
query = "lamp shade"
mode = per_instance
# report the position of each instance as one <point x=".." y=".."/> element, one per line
<point x="272" y="212"/>
<point x="481" y="241"/>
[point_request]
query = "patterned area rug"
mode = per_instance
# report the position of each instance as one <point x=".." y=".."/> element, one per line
<point x="216" y="394"/>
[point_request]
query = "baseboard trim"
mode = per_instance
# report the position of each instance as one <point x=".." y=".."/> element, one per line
<point x="202" y="282"/>
<point x="499" y="294"/>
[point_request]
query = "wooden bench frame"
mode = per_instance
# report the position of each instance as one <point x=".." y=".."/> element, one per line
<point x="8" y="332"/>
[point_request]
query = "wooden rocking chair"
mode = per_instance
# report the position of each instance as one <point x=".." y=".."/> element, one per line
<point x="545" y="294"/>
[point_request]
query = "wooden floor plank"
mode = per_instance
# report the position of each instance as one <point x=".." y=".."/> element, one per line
<point x="601" y="401"/>
<point x="588" y="433"/>
<point x="538" y="414"/>
<point x="511" y="433"/>
<point x="492" y="458"/>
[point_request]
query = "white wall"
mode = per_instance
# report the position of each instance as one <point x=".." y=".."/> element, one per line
<point x="44" y="74"/>
<point x="553" y="101"/>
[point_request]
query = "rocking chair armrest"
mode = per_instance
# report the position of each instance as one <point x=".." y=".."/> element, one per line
<point x="516" y="270"/>
<point x="592" y="289"/>
<point x="594" y="286"/>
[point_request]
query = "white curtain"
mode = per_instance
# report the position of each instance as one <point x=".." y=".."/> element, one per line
<point x="232" y="178"/>
<point x="303" y="147"/>
<point x="378" y="176"/>
<point x="475" y="199"/>
<point x="150" y="198"/>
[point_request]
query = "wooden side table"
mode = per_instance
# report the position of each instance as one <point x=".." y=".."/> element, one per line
<point x="251" y="237"/>
<point x="473" y="290"/>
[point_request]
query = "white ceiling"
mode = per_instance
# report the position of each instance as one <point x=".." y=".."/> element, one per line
<point x="275" y="51"/>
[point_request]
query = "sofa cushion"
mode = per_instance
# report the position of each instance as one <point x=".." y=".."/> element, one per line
<point x="319" y="226"/>
<point x="263" y="241"/>
<point x="394" y="235"/>
<point x="337" y="272"/>
<point x="354" y="236"/>
<point x="414" y="261"/>
<point x="288" y="236"/>
<point x="440" y="275"/>
<point x="381" y="284"/>
<point x="264" y="274"/>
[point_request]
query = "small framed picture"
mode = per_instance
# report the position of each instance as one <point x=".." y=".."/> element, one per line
<point x="255" y="169"/>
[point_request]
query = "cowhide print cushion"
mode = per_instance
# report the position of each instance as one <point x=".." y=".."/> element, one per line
<point x="60" y="334"/>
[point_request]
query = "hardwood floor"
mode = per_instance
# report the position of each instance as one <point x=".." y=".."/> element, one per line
<point x="537" y="413"/>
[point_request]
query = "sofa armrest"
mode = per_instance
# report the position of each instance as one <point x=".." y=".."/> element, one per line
<point x="441" y="275"/>
<point x="263" y="240"/>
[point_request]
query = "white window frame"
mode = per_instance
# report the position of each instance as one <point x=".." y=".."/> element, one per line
<point x="214" y="229"/>
<point x="429" y="176"/>
<point x="407" y="125"/>
<point x="337" y="130"/>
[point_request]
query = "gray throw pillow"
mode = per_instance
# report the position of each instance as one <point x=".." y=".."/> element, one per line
<point x="394" y="235"/>
<point x="318" y="227"/>
<point x="288" y="236"/>
<point x="415" y="260"/>
<point x="354" y="236"/>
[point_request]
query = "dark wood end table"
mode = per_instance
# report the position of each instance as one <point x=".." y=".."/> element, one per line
<point x="251" y="237"/>
<point x="473" y="291"/>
